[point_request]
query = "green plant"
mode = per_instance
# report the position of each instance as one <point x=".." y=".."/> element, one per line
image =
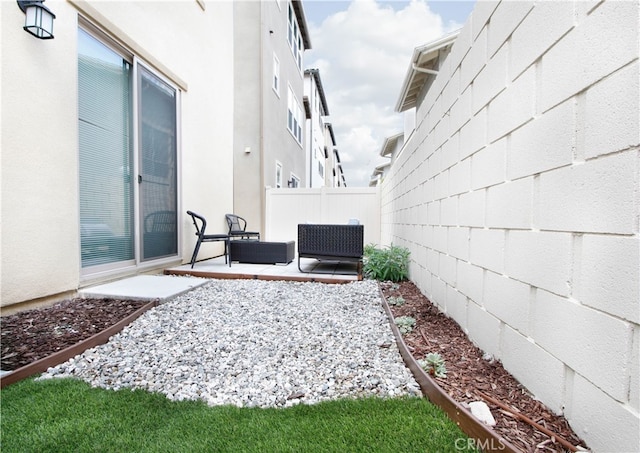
<point x="433" y="363"/>
<point x="405" y="324"/>
<point x="391" y="263"/>
<point x="396" y="301"/>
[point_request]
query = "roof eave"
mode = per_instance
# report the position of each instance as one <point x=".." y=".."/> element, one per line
<point x="414" y="79"/>
<point x="302" y="23"/>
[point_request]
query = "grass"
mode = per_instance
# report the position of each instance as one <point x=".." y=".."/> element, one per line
<point x="61" y="415"/>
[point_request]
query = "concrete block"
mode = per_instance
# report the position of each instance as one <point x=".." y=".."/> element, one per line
<point x="441" y="185"/>
<point x="548" y="21"/>
<point x="481" y="14"/>
<point x="460" y="112"/>
<point x="487" y="249"/>
<point x="611" y="114"/>
<point x="584" y="338"/>
<point x="507" y="300"/>
<point x="473" y="135"/>
<point x="460" y="47"/>
<point x="491" y="80"/>
<point x="451" y="151"/>
<point x="609" y="277"/>
<point x="543" y="144"/>
<point x="513" y="107"/>
<point x="449" y="211"/>
<point x="442" y="131"/>
<point x="456" y="307"/>
<point x="433" y="261"/>
<point x="484" y="329"/>
<point x="427" y="236"/>
<point x="458" y="242"/>
<point x="474" y="60"/>
<point x="504" y="21"/>
<point x="598" y="196"/>
<point x="419" y="254"/>
<point x="489" y="165"/>
<point x="427" y="190"/>
<point x="471" y="208"/>
<point x="448" y="265"/>
<point x="451" y="91"/>
<point x="438" y="292"/>
<point x="540" y="372"/>
<point x="634" y="380"/>
<point x="440" y="238"/>
<point x="604" y="423"/>
<point x="541" y="259"/>
<point x="609" y="36"/>
<point x="509" y="205"/>
<point x="433" y="212"/>
<point x="470" y="281"/>
<point x="460" y="177"/>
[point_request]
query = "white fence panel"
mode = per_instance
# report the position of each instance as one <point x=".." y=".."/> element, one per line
<point x="286" y="208"/>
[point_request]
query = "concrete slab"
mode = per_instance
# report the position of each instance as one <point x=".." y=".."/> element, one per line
<point x="144" y="287"/>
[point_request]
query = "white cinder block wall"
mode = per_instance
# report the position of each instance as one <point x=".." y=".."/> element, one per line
<point x="518" y="197"/>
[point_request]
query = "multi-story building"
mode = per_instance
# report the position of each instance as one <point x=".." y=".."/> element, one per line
<point x="390" y="148"/>
<point x="269" y="42"/>
<point x="319" y="132"/>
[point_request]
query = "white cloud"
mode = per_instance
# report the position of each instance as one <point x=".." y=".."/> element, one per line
<point x="363" y="54"/>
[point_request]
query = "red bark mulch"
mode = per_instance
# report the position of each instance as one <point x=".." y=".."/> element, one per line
<point x="469" y="372"/>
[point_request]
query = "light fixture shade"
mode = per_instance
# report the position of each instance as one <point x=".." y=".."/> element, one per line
<point x="38" y="19"/>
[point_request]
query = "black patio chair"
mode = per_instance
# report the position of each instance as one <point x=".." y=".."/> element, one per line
<point x="238" y="228"/>
<point x="201" y="224"/>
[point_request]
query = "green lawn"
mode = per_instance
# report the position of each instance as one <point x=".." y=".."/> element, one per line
<point x="67" y="415"/>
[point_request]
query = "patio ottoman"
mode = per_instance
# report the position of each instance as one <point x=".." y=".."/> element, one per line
<point x="257" y="252"/>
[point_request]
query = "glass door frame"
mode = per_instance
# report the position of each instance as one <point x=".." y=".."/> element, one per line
<point x="128" y="266"/>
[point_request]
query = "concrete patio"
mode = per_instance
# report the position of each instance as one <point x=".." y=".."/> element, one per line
<point x="180" y="279"/>
<point x="314" y="270"/>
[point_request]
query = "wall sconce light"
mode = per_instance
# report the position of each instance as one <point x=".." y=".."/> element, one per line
<point x="38" y="19"/>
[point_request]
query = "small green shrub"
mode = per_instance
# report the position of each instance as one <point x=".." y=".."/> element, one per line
<point x="396" y="301"/>
<point x="405" y="324"/>
<point x="433" y="363"/>
<point x="391" y="263"/>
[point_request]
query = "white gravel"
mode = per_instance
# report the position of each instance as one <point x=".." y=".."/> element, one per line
<point x="255" y="343"/>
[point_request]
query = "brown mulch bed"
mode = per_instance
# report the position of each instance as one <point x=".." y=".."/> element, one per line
<point x="34" y="334"/>
<point x="469" y="372"/>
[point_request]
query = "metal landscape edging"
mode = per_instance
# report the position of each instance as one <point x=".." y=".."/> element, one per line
<point x="485" y="439"/>
<point x="59" y="357"/>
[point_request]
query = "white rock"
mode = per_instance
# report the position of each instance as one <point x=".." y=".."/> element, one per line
<point x="242" y="342"/>
<point x="481" y="411"/>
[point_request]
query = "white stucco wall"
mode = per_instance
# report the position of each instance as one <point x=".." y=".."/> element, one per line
<point x="39" y="139"/>
<point x="518" y="196"/>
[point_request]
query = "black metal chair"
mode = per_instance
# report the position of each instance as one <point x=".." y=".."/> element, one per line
<point x="238" y="228"/>
<point x="202" y="237"/>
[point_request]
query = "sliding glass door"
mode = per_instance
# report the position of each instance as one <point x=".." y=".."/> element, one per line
<point x="127" y="119"/>
<point x="158" y="178"/>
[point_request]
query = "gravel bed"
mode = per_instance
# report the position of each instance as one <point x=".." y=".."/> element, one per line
<point x="254" y="343"/>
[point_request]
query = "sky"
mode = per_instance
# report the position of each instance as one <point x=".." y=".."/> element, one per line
<point x="363" y="49"/>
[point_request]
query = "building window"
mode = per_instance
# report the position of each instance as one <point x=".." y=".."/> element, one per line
<point x="294" y="181"/>
<point x="294" y="38"/>
<point x="278" y="174"/>
<point x="276" y="75"/>
<point x="294" y="116"/>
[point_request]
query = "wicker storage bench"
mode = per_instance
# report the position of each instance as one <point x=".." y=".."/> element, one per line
<point x="255" y="252"/>
<point x="331" y="243"/>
